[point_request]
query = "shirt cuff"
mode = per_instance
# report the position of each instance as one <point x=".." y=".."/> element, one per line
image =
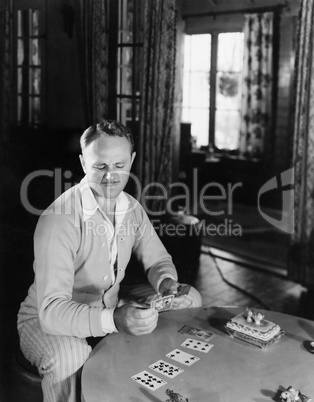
<point x="107" y="322"/>
<point x="161" y="278"/>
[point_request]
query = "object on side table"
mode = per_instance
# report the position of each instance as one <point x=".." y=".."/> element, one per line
<point x="250" y="326"/>
<point x="292" y="395"/>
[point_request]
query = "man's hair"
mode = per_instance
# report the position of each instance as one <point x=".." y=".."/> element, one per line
<point x="107" y="128"/>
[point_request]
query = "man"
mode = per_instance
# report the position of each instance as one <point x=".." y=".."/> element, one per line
<point x="81" y="255"/>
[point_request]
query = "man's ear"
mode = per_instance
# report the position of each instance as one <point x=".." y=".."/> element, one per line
<point x="133" y="157"/>
<point x="82" y="163"/>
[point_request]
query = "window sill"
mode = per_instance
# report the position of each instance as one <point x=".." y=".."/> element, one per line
<point x="223" y="155"/>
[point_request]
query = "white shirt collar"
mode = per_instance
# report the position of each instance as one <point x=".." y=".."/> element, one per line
<point x="90" y="205"/>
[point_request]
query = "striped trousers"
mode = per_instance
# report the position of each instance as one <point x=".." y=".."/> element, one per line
<point x="59" y="360"/>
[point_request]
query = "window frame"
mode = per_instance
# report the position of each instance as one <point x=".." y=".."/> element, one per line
<point x="26" y="5"/>
<point x="115" y="46"/>
<point x="214" y="28"/>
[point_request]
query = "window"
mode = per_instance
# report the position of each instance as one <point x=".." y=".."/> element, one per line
<point x="129" y="60"/>
<point x="28" y="55"/>
<point x="212" y="88"/>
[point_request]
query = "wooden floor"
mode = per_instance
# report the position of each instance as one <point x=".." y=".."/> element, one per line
<point x="271" y="289"/>
<point x="254" y="287"/>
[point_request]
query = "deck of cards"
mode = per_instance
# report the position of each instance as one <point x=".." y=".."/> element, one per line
<point x="162" y="303"/>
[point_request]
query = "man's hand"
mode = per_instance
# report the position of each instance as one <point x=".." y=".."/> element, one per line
<point x="134" y="320"/>
<point x="168" y="285"/>
<point x="171" y="287"/>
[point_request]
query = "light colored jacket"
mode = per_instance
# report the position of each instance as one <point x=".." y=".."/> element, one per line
<point x="73" y="282"/>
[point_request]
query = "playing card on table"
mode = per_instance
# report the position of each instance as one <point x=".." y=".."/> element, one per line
<point x="162" y="303"/>
<point x="166" y="369"/>
<point x="199" y="333"/>
<point x="197" y="345"/>
<point x="148" y="380"/>
<point x="182" y="357"/>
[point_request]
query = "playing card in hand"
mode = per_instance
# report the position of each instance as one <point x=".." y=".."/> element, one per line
<point x="162" y="303"/>
<point x="181" y="290"/>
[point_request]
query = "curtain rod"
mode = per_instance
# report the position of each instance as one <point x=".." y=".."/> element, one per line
<point x="240" y="11"/>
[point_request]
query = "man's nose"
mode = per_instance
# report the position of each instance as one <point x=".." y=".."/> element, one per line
<point x="108" y="174"/>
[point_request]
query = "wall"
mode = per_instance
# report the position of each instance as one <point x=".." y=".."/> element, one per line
<point x="64" y="93"/>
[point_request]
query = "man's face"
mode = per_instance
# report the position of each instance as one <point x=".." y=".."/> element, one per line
<point x="107" y="163"/>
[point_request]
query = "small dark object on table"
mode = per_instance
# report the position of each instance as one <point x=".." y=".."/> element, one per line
<point x="175" y="397"/>
<point x="292" y="395"/>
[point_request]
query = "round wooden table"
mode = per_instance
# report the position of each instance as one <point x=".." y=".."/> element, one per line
<point x="233" y="370"/>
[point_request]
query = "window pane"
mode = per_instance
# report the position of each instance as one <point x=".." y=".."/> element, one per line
<point x="19" y="23"/>
<point x="20" y="52"/>
<point x="197" y="92"/>
<point x="19" y="80"/>
<point x="34" y="111"/>
<point x="228" y="91"/>
<point x="34" y="22"/>
<point x="200" y="124"/>
<point x="34" y="52"/>
<point x="19" y="109"/>
<point x="196" y="86"/>
<point x="124" y="82"/>
<point x="126" y="21"/>
<point x="230" y="51"/>
<point x="125" y="107"/>
<point x="227" y="127"/>
<point x="34" y="79"/>
<point x="200" y="53"/>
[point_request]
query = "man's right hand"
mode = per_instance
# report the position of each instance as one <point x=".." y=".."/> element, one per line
<point x="134" y="320"/>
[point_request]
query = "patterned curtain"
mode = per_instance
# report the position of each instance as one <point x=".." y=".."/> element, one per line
<point x="157" y="103"/>
<point x="301" y="261"/>
<point x="257" y="82"/>
<point x="93" y="55"/>
<point x="5" y="69"/>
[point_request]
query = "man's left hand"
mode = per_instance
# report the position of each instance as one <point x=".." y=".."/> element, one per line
<point x="170" y="286"/>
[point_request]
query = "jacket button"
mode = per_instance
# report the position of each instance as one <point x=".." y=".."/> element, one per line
<point x="106" y="277"/>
